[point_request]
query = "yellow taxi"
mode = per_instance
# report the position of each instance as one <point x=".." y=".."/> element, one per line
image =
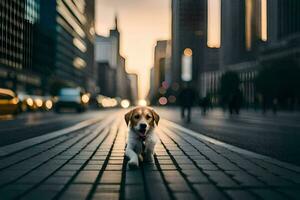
<point x="8" y="102"/>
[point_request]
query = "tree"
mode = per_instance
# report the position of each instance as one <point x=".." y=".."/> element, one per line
<point x="229" y="86"/>
<point x="279" y="80"/>
<point x="229" y="91"/>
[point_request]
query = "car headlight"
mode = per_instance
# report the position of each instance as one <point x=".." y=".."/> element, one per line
<point x="39" y="102"/>
<point x="85" y="98"/>
<point x="15" y="101"/>
<point x="29" y="102"/>
<point x="48" y="104"/>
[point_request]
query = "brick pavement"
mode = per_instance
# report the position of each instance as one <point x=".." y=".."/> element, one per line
<point x="90" y="164"/>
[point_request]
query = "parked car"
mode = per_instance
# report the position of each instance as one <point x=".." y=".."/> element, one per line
<point x="8" y="102"/>
<point x="33" y="102"/>
<point x="71" y="98"/>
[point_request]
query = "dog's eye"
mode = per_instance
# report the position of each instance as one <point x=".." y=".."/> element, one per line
<point x="148" y="117"/>
<point x="136" y="116"/>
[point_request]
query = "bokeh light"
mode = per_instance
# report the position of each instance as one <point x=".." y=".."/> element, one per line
<point x="125" y="103"/>
<point x="163" y="101"/>
<point x="142" y="102"/>
<point x="48" y="104"/>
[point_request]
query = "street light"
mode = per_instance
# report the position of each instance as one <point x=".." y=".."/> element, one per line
<point x="186" y="65"/>
<point x="125" y="103"/>
<point x="142" y="102"/>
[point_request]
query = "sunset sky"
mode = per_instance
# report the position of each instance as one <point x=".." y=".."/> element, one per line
<point x="141" y="23"/>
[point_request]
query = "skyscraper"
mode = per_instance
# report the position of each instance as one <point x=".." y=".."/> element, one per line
<point x="72" y="39"/>
<point x="17" y="22"/>
<point x="91" y="69"/>
<point x="253" y="32"/>
<point x="285" y="21"/>
<point x="112" y="76"/>
<point x="67" y="35"/>
<point x="188" y="27"/>
<point x="161" y="63"/>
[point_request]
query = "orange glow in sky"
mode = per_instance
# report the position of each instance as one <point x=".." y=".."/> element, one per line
<point x="141" y="23"/>
<point x="214" y="24"/>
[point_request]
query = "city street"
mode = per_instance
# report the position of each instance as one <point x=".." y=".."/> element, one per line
<point x="273" y="135"/>
<point x="81" y="156"/>
<point x="71" y="70"/>
<point x="29" y="125"/>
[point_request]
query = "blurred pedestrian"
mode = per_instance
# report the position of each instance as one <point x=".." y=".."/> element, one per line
<point x="235" y="103"/>
<point x="205" y="102"/>
<point x="187" y="98"/>
<point x="256" y="102"/>
<point x="274" y="106"/>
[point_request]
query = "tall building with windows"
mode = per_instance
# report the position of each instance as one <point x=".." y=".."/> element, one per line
<point x="241" y="39"/>
<point x="91" y="70"/>
<point x="18" y="20"/>
<point x="71" y="46"/>
<point x="161" y="69"/>
<point x="67" y="29"/>
<point x="254" y="32"/>
<point x="285" y="21"/>
<point x="112" y="76"/>
<point x="188" y="29"/>
<point x="283" y="30"/>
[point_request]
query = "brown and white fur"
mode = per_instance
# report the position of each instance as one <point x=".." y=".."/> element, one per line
<point x="141" y="137"/>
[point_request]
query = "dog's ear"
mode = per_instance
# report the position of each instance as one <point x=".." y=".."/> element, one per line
<point x="128" y="117"/>
<point x="155" y="116"/>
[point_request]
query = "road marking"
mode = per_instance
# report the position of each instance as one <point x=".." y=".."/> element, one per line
<point x="9" y="149"/>
<point x="232" y="147"/>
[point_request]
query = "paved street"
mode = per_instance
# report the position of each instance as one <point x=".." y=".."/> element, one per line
<point x="87" y="162"/>
<point x="28" y="125"/>
<point x="273" y="135"/>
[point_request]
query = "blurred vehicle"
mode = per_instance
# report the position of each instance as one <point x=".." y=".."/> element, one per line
<point x="8" y="102"/>
<point x="71" y="98"/>
<point x="33" y="102"/>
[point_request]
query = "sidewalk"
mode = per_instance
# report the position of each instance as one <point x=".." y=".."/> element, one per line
<point x="90" y="164"/>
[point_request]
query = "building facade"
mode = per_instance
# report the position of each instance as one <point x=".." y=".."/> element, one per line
<point x="253" y="32"/>
<point x="134" y="88"/>
<point x="188" y="32"/>
<point x="111" y="64"/>
<point x="18" y="20"/>
<point x="162" y="66"/>
<point x="65" y="35"/>
<point x="72" y="38"/>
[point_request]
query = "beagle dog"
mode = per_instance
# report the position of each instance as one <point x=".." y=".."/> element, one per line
<point x="141" y="136"/>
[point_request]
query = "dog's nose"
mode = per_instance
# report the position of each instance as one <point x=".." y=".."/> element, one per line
<point x="143" y="126"/>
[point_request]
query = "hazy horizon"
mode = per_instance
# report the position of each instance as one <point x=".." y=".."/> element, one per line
<point x="141" y="23"/>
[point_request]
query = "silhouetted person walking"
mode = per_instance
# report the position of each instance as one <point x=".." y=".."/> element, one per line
<point x="186" y="100"/>
<point x="274" y="106"/>
<point x="204" y="104"/>
<point x="235" y="103"/>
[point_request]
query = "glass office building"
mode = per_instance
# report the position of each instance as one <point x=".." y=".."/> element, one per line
<point x="69" y="25"/>
<point x="17" y="21"/>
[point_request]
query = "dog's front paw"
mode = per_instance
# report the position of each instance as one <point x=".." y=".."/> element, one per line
<point x="132" y="164"/>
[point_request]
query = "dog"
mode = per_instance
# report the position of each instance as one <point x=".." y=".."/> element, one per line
<point x="141" y="137"/>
